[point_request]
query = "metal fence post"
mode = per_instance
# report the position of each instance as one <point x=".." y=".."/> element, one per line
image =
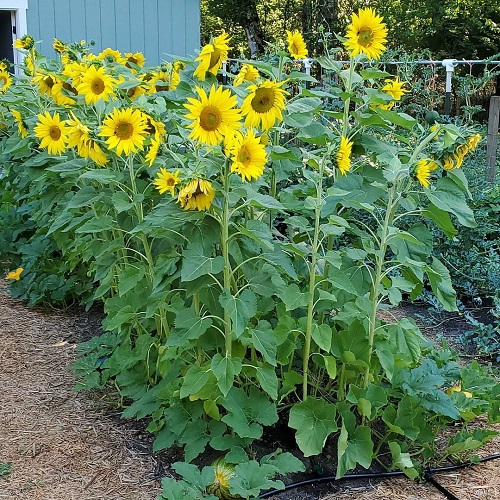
<point x="307" y="67"/>
<point x="449" y="65"/>
<point x="492" y="144"/>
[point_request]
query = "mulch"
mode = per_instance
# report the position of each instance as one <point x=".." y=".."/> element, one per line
<point x="64" y="445"/>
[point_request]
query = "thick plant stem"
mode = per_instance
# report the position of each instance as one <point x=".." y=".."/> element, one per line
<point x="312" y="281"/>
<point x="375" y="291"/>
<point x="225" y="255"/>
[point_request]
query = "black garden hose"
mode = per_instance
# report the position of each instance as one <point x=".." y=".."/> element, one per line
<point x="428" y="475"/>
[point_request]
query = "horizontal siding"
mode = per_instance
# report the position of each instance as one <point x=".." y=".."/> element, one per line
<point x="158" y="28"/>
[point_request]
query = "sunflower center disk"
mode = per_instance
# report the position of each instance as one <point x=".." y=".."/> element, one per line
<point x="210" y="118"/>
<point x="97" y="86"/>
<point x="365" y="37"/>
<point x="124" y="131"/>
<point x="263" y="100"/>
<point x="48" y="81"/>
<point x="243" y="156"/>
<point x="55" y="133"/>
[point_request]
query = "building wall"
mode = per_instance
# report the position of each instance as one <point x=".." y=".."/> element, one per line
<point x="155" y="27"/>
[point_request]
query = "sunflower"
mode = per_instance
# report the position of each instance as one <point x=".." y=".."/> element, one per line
<point x="135" y="92"/>
<point x="153" y="151"/>
<point x="15" y="275"/>
<point x="134" y="59"/>
<point x="344" y="155"/>
<point x="96" y="84"/>
<point x="5" y="81"/>
<point x="154" y="127"/>
<point x="473" y="141"/>
<point x="423" y="171"/>
<point x="213" y="116"/>
<point x="448" y="163"/>
<point x="125" y="129"/>
<point x="366" y="34"/>
<point x="296" y="45"/>
<point x="212" y="56"/>
<point x="61" y="93"/>
<point x="197" y="194"/>
<point x="162" y="81"/>
<point x="26" y="42"/>
<point x="79" y="137"/>
<point x="59" y="46"/>
<point x="45" y="83"/>
<point x="21" y="126"/>
<point x="248" y="155"/>
<point x="53" y="133"/>
<point x="247" y="74"/>
<point x="395" y="89"/>
<point x="165" y="181"/>
<point x="264" y="104"/>
<point x="110" y="55"/>
<point x="75" y="71"/>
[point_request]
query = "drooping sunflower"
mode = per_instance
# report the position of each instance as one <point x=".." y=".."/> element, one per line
<point x="53" y="133"/>
<point x="366" y="34"/>
<point x="26" y="42"/>
<point x="161" y="81"/>
<point x="125" y="129"/>
<point x="296" y="45"/>
<point x="472" y="141"/>
<point x="247" y="73"/>
<point x="134" y="58"/>
<point x="62" y="92"/>
<point x="79" y="137"/>
<point x="59" y="46"/>
<point x="154" y="127"/>
<point x="214" y="116"/>
<point x="212" y="56"/>
<point x="21" y="126"/>
<point x="5" y="81"/>
<point x="75" y="71"/>
<point x="111" y="55"/>
<point x="264" y="104"/>
<point x="166" y="181"/>
<point x="423" y="170"/>
<point x="15" y="275"/>
<point x="344" y="155"/>
<point x="198" y="194"/>
<point x="45" y="83"/>
<point x="448" y="163"/>
<point x="96" y="84"/>
<point x="248" y="156"/>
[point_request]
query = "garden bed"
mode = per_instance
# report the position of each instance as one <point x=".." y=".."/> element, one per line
<point x="65" y="445"/>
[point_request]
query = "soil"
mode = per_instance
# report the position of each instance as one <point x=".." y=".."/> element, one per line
<point x="64" y="445"/>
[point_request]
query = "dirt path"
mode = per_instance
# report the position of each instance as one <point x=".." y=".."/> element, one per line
<point x="60" y="445"/>
<point x="63" y="447"/>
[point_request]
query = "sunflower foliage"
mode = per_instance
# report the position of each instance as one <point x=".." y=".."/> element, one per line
<point x="219" y="226"/>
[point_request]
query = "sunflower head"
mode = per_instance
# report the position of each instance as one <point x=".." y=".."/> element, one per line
<point x="26" y="42"/>
<point x="198" y="194"/>
<point x="423" y="170"/>
<point x="5" y="81"/>
<point x="214" y="116"/>
<point x="394" y="88"/>
<point x="247" y="73"/>
<point x="264" y="104"/>
<point x="212" y="56"/>
<point x="296" y="45"/>
<point x="111" y="56"/>
<point x="473" y="141"/>
<point x="125" y="130"/>
<point x="366" y="34"/>
<point x="248" y="156"/>
<point x="21" y="126"/>
<point x="96" y="84"/>
<point x="59" y="46"/>
<point x="344" y="155"/>
<point x="53" y="133"/>
<point x="166" y="181"/>
<point x="134" y="59"/>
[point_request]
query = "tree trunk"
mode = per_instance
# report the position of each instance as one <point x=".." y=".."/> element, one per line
<point x="253" y="30"/>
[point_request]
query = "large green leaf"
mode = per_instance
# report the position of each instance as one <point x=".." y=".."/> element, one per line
<point x="355" y="445"/>
<point x="268" y="380"/>
<point x="241" y="309"/>
<point x="188" y="326"/>
<point x="195" y="263"/>
<point x="314" y="420"/>
<point x="441" y="284"/>
<point x="196" y="377"/>
<point x="293" y="298"/>
<point x="264" y="341"/>
<point x="447" y="196"/>
<point x="225" y="369"/>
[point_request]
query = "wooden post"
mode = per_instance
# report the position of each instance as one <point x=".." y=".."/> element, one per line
<point x="492" y="144"/>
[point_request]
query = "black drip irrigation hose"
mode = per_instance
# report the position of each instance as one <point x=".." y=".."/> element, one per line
<point x="428" y="476"/>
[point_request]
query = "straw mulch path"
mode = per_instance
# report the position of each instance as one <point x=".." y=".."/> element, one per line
<point x="61" y="446"/>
